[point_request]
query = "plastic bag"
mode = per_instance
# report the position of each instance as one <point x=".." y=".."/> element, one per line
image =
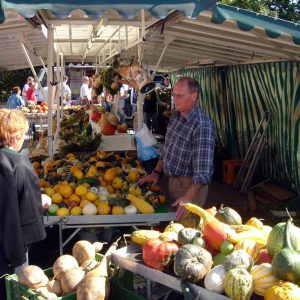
<point x="145" y="136"/>
<point x="145" y="153"/>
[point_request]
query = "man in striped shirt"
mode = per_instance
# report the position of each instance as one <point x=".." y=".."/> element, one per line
<point x="187" y="156"/>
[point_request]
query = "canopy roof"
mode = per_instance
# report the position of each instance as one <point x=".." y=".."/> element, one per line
<point x="190" y="32"/>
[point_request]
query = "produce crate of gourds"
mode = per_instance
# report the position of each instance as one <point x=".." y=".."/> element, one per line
<point x="84" y="275"/>
<point x="101" y="183"/>
<point x="212" y="248"/>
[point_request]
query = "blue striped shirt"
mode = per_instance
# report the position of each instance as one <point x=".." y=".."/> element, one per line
<point x="189" y="146"/>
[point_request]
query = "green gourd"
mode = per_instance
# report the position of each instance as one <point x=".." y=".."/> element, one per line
<point x="286" y="263"/>
<point x="238" y="284"/>
<point x="229" y="216"/>
<point x="276" y="238"/>
<point x="187" y="235"/>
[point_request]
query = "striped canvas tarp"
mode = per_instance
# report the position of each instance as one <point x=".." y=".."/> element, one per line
<point x="236" y="98"/>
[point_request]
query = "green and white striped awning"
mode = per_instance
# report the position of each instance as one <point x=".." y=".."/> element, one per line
<point x="189" y="32"/>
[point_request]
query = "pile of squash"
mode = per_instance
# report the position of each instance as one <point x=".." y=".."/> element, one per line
<point x="78" y="274"/>
<point x="99" y="184"/>
<point x="214" y="249"/>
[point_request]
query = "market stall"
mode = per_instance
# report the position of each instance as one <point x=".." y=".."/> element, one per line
<point x="164" y="36"/>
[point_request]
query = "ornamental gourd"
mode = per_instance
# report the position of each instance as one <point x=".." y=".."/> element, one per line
<point x="192" y="263"/>
<point x="229" y="216"/>
<point x="174" y="227"/>
<point x="283" y="291"/>
<point x="238" y="284"/>
<point x="215" y="278"/>
<point x="276" y="238"/>
<point x="286" y="263"/>
<point x="158" y="254"/>
<point x="263" y="278"/>
<point x="187" y="235"/>
<point x="238" y="259"/>
<point x="250" y="247"/>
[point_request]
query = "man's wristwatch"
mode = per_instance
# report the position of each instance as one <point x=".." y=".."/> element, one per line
<point x="158" y="172"/>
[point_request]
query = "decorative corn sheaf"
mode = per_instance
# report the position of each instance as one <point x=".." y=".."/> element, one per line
<point x="236" y="97"/>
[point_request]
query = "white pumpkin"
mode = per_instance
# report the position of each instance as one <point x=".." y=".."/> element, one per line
<point x="214" y="279"/>
<point x="130" y="210"/>
<point x="89" y="209"/>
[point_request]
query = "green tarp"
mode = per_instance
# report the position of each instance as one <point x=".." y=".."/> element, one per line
<point x="236" y="98"/>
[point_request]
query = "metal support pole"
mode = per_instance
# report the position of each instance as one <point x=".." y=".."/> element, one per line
<point x="32" y="69"/>
<point x="62" y="72"/>
<point x="42" y="61"/>
<point x="143" y="31"/>
<point x="50" y="88"/>
<point x="58" y="92"/>
<point x="167" y="43"/>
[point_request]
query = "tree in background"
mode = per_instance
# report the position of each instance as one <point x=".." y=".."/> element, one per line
<point x="285" y="9"/>
<point x="9" y="79"/>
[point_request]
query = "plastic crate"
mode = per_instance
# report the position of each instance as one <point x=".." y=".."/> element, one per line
<point x="16" y="291"/>
<point x="122" y="288"/>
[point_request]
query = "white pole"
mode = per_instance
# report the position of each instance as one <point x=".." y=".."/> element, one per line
<point x="33" y="70"/>
<point x="58" y="92"/>
<point x="50" y="89"/>
<point x="160" y="58"/>
<point x="62" y="72"/>
<point x="42" y="61"/>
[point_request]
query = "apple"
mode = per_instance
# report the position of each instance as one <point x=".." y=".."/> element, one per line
<point x="53" y="209"/>
<point x="264" y="257"/>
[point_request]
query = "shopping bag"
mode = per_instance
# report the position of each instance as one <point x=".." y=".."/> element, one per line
<point x="145" y="136"/>
<point x="144" y="152"/>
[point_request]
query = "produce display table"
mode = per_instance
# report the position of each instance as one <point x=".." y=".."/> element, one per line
<point x="130" y="258"/>
<point x="40" y="119"/>
<point x="79" y="222"/>
<point x="117" y="142"/>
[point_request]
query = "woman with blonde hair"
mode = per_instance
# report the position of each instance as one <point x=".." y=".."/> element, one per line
<point x="21" y="211"/>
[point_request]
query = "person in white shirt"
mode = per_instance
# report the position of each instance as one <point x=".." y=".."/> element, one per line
<point x="85" y="91"/>
<point x="67" y="92"/>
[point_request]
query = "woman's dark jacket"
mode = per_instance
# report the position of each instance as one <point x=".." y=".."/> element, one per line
<point x="21" y="221"/>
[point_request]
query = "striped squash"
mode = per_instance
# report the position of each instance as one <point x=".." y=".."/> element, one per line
<point x="238" y="284"/>
<point x="263" y="278"/>
<point x="250" y="247"/>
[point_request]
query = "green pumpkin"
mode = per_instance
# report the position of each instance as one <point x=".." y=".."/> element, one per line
<point x="286" y="263"/>
<point x="238" y="284"/>
<point x="192" y="263"/>
<point x="187" y="235"/>
<point x="238" y="259"/>
<point x="229" y="216"/>
<point x="276" y="238"/>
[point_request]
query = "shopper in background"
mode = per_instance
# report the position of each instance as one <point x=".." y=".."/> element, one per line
<point x="85" y="91"/>
<point x="15" y="100"/>
<point x="21" y="221"/>
<point x="67" y="94"/>
<point x="29" y="80"/>
<point x="188" y="152"/>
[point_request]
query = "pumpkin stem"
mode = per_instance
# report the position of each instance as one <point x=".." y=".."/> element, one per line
<point x="288" y="213"/>
<point x="222" y="206"/>
<point x="287" y="240"/>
